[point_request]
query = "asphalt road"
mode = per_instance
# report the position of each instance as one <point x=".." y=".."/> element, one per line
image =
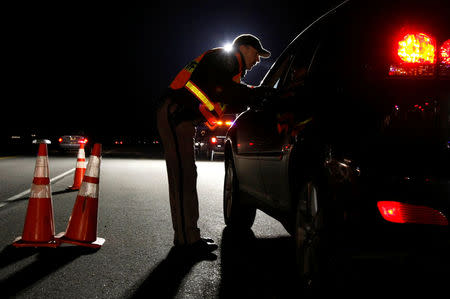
<point x="136" y="259"/>
<point x="134" y="218"/>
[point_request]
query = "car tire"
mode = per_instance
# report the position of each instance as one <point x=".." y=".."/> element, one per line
<point x="316" y="249"/>
<point x="237" y="216"/>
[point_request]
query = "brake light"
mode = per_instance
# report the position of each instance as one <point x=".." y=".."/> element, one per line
<point x="213" y="140"/>
<point x="416" y="56"/>
<point x="444" y="52"/>
<point x="229" y="123"/>
<point x="219" y="123"/>
<point x="83" y="141"/>
<point x="417" y="48"/>
<point x="398" y="212"/>
<point x="60" y="139"/>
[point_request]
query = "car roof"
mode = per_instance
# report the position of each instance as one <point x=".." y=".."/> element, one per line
<point x="431" y="13"/>
<point x="379" y="24"/>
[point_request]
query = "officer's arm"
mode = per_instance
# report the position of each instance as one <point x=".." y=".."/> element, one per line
<point x="225" y="90"/>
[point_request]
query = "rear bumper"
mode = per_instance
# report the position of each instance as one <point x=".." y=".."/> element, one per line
<point x="367" y="233"/>
<point x="389" y="240"/>
<point x="69" y="147"/>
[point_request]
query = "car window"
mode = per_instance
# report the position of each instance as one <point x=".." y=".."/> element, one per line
<point x="292" y="67"/>
<point x="278" y="72"/>
<point x="305" y="50"/>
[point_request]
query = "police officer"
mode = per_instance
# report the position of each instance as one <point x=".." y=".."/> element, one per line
<point x="198" y="94"/>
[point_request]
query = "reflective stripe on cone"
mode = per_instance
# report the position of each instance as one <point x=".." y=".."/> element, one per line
<point x="82" y="227"/>
<point x="39" y="228"/>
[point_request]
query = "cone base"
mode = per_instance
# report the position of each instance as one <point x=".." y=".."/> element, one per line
<point x="19" y="243"/>
<point x="73" y="187"/>
<point x="95" y="244"/>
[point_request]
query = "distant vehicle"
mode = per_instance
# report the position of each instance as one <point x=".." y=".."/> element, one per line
<point x="210" y="144"/>
<point x="134" y="140"/>
<point x="351" y="155"/>
<point x="20" y="136"/>
<point x="22" y="140"/>
<point x="69" y="143"/>
<point x="119" y="140"/>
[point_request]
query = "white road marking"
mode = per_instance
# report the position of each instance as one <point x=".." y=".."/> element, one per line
<point x="21" y="194"/>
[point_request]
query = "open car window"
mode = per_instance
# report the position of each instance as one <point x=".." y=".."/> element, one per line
<point x="277" y="74"/>
<point x="304" y="53"/>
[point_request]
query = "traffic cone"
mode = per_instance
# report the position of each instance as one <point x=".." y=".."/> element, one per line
<point x="80" y="169"/>
<point x="82" y="227"/>
<point x="39" y="228"/>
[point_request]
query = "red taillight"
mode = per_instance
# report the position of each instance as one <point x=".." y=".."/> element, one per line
<point x="213" y="140"/>
<point x="415" y="55"/>
<point x="229" y="123"/>
<point x="219" y="123"/>
<point x="60" y="139"/>
<point x="417" y="48"/>
<point x="83" y="141"/>
<point x="444" y="52"/>
<point x="398" y="212"/>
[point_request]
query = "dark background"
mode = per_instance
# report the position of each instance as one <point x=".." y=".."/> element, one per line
<point x="98" y="66"/>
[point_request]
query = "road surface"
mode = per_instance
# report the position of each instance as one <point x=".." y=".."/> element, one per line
<point x="136" y="259"/>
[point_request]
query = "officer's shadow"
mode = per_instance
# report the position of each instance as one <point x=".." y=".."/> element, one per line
<point x="164" y="280"/>
<point x="44" y="261"/>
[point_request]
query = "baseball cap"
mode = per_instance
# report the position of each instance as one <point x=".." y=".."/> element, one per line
<point x="251" y="40"/>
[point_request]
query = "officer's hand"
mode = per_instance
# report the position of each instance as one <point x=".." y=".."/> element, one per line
<point x="266" y="92"/>
<point x="270" y="98"/>
<point x="262" y="96"/>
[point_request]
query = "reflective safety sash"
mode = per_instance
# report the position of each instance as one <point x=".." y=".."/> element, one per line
<point x="212" y="119"/>
<point x="286" y="124"/>
<point x="200" y="95"/>
<point x="212" y="111"/>
<point x="206" y="107"/>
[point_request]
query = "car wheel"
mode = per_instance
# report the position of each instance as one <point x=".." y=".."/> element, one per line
<point x="316" y="253"/>
<point x="236" y="214"/>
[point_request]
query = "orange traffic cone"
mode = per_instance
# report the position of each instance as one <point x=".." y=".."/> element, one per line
<point x="39" y="229"/>
<point x="82" y="227"/>
<point x="80" y="169"/>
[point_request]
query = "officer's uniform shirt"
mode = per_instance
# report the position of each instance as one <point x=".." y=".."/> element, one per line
<point x="214" y="76"/>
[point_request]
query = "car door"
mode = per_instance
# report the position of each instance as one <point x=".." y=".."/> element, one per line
<point x="286" y="116"/>
<point x="247" y="138"/>
<point x="251" y="139"/>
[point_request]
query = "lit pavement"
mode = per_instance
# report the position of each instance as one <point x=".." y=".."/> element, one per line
<point x="135" y="261"/>
<point x="134" y="218"/>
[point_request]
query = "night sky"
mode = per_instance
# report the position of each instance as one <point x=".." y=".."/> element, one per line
<point x="100" y="66"/>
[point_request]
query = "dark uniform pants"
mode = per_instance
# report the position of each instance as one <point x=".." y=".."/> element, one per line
<point x="177" y="139"/>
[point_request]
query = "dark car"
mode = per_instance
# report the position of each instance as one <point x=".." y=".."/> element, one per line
<point x="351" y="154"/>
